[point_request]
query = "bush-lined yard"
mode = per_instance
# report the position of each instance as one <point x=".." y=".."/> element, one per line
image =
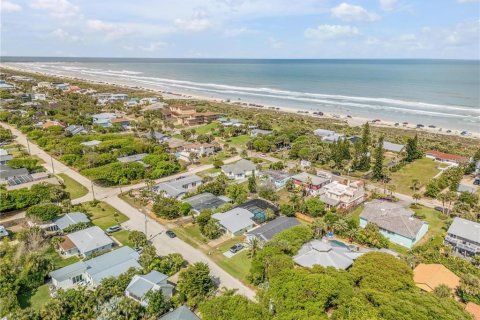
<point x="422" y="169"/>
<point x="104" y="215"/>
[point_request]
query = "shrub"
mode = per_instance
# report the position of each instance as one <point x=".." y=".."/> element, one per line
<point x="44" y="212"/>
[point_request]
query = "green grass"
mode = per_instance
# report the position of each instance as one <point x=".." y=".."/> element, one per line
<point x="209" y="160"/>
<point x="207" y="128"/>
<point x="190" y="233"/>
<point x="35" y="299"/>
<point x="422" y="169"/>
<point x="75" y="189"/>
<point x="355" y="214"/>
<point x="239" y="140"/>
<point x="58" y="261"/>
<point x="134" y="202"/>
<point x="238" y="265"/>
<point x="122" y="237"/>
<point x="104" y="215"/>
<point x="436" y="225"/>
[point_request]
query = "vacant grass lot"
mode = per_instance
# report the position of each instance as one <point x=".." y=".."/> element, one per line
<point x="75" y="189"/>
<point x="207" y="128"/>
<point x="239" y="140"/>
<point x="103" y="215"/>
<point x="422" y="169"/>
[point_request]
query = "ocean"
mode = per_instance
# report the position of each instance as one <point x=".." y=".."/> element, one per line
<point x="444" y="93"/>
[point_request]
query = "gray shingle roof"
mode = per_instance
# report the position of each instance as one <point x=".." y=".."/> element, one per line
<point x="239" y="167"/>
<point x="389" y="146"/>
<point x="174" y="188"/>
<point x="89" y="239"/>
<point x="181" y="313"/>
<point x="393" y="217"/>
<point x="235" y="220"/>
<point x="268" y="230"/>
<point x="204" y="201"/>
<point x="70" y="219"/>
<point x="132" y="158"/>
<point x="465" y="229"/>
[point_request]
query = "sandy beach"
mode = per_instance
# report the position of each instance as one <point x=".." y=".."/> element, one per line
<point x="352" y="121"/>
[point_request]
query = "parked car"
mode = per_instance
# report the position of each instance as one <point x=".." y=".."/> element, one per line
<point x="170" y="233"/>
<point x="113" y="229"/>
<point x="236" y="247"/>
<point x="139" y="249"/>
<point x="336" y="173"/>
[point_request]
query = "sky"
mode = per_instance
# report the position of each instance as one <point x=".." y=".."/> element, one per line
<point x="445" y="29"/>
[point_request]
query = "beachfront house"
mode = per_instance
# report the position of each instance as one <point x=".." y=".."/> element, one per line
<point x="393" y="147"/>
<point x="276" y="177"/>
<point x="206" y="200"/>
<point x="464" y="236"/>
<point x="38" y="96"/>
<point x="187" y="115"/>
<point x="230" y="122"/>
<point x="327" y="135"/>
<point x="429" y="276"/>
<point x="451" y="159"/>
<point x="93" y="271"/>
<point x="85" y="242"/>
<point x="343" y="196"/>
<point x="395" y="221"/>
<point x="178" y="187"/>
<point x="141" y="285"/>
<point x="239" y="170"/>
<point x="310" y="183"/>
<point x="236" y="221"/>
<point x="268" y="230"/>
<point x="5" y="86"/>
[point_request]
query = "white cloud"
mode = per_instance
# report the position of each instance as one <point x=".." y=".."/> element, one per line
<point x="199" y="21"/>
<point x="7" y="6"/>
<point x="111" y="31"/>
<point x="327" y="32"/>
<point x="61" y="9"/>
<point x="234" y="32"/>
<point x="350" y="12"/>
<point x="388" y="5"/>
<point x="275" y="44"/>
<point x="152" y="47"/>
<point x="64" y="35"/>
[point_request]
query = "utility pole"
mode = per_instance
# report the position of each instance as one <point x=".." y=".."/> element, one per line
<point x="145" y="213"/>
<point x="93" y="192"/>
<point x="53" y="168"/>
<point x="28" y="146"/>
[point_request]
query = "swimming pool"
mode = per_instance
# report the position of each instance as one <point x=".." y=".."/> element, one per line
<point x="340" y="244"/>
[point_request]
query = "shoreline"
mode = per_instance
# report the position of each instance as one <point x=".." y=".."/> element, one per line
<point x="352" y="121"/>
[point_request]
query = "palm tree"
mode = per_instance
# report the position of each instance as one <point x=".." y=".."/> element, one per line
<point x="254" y="245"/>
<point x="319" y="227"/>
<point x="415" y="183"/>
<point x="295" y="201"/>
<point x="416" y="197"/>
<point x="451" y="197"/>
<point x="443" y="198"/>
<point x="391" y="188"/>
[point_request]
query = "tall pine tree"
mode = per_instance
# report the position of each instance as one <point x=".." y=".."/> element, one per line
<point x="379" y="156"/>
<point x="364" y="163"/>
<point x="412" y="151"/>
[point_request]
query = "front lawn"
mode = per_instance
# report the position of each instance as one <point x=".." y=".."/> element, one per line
<point x="75" y="189"/>
<point x="104" y="215"/>
<point x="122" y="237"/>
<point x="239" y="140"/>
<point x="207" y="128"/>
<point x="58" y="261"/>
<point x="422" y="169"/>
<point x="238" y="265"/>
<point x="190" y="233"/>
<point x="35" y="299"/>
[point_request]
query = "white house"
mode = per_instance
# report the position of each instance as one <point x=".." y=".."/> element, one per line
<point x="93" y="271"/>
<point x="85" y="242"/>
<point x="239" y="170"/>
<point x="39" y="96"/>
<point x="236" y="221"/>
<point x="341" y="196"/>
<point x="177" y="188"/>
<point x="141" y="285"/>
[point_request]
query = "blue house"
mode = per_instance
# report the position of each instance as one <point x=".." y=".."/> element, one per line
<point x="395" y="221"/>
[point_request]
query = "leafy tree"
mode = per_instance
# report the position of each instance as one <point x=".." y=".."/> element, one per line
<point x="442" y="291"/>
<point x="234" y="307"/>
<point x="412" y="150"/>
<point x="44" y="212"/>
<point x="295" y="236"/>
<point x="77" y="227"/>
<point x="252" y="184"/>
<point x="237" y="193"/>
<point x="378" y="173"/>
<point x="279" y="165"/>
<point x="371" y="236"/>
<point x="157" y="303"/>
<point x="212" y="230"/>
<point x="314" y="207"/>
<point x="195" y="283"/>
<point x="28" y="163"/>
<point x="137" y="238"/>
<point x="267" y="191"/>
<point x="287" y="210"/>
<point x="168" y="208"/>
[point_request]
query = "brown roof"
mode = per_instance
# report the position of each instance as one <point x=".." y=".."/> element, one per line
<point x="67" y="244"/>
<point x="446" y="156"/>
<point x="429" y="276"/>
<point x="474" y="309"/>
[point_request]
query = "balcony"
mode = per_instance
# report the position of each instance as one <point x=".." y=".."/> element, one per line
<point x="457" y="243"/>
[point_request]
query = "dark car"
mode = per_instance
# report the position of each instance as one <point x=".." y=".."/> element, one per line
<point x="170" y="233"/>
<point x="139" y="249"/>
<point x="336" y="173"/>
<point x="113" y="229"/>
<point x="236" y="247"/>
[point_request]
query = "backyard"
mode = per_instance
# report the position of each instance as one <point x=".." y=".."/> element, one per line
<point x="75" y="189"/>
<point x="422" y="169"/>
<point x="103" y="215"/>
<point x="436" y="223"/>
<point x="35" y="299"/>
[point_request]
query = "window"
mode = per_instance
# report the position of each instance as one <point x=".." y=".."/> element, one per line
<point x="77" y="278"/>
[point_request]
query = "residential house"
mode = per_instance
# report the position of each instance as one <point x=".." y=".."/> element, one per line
<point x="86" y="242"/>
<point x="141" y="285"/>
<point x="3" y="232"/>
<point x="395" y="221"/>
<point x="181" y="313"/>
<point x="327" y="135"/>
<point x="123" y="122"/>
<point x="7" y="173"/>
<point x="187" y="115"/>
<point x="118" y="97"/>
<point x="178" y="187"/>
<point x="73" y="89"/>
<point x="74" y="129"/>
<point x="5" y="86"/>
<point x="44" y="84"/>
<point x="133" y="158"/>
<point x="4" y="156"/>
<point x="149" y="100"/>
<point x="464" y="236"/>
<point x="69" y="219"/>
<point x="197" y="150"/>
<point x="236" y="221"/>
<point x="230" y="122"/>
<point x="429" y="276"/>
<point x="260" y="132"/>
<point x="91" y="143"/>
<point x="239" y="170"/>
<point x="259" y="207"/>
<point x="38" y="96"/>
<point x="174" y="143"/>
<point x="312" y="184"/>
<point x="60" y="86"/>
<point x="276" y="177"/>
<point x="451" y="159"/>
<point x="93" y="271"/>
<point x="158" y="136"/>
<point x="341" y="196"/>
<point x="133" y="102"/>
<point x="104" y="119"/>
<point x="205" y="201"/>
<point x="29" y="180"/>
<point x="271" y="228"/>
<point x="393" y="147"/>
